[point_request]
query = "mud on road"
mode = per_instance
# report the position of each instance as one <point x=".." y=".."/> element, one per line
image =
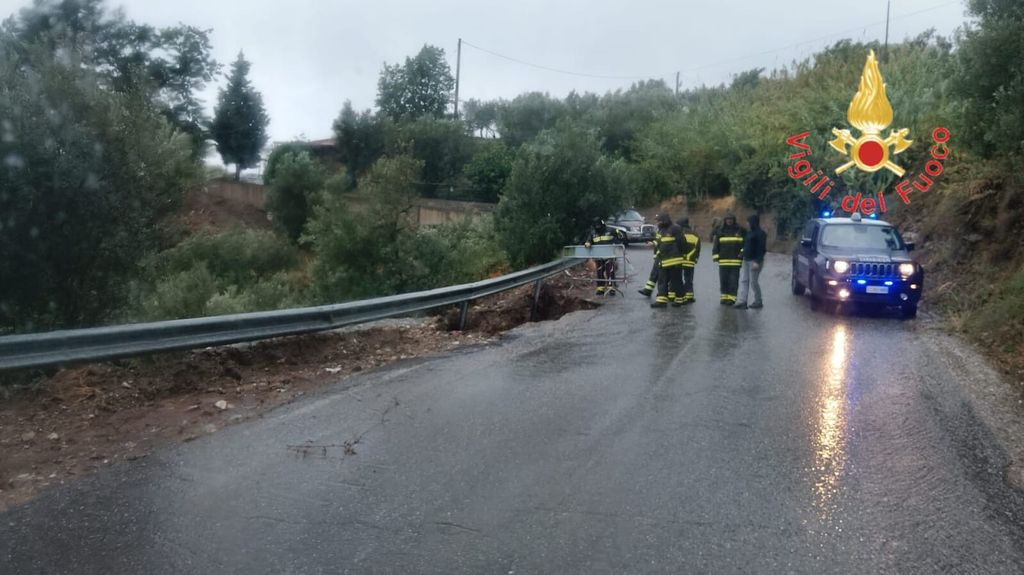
<point x="58" y="426"/>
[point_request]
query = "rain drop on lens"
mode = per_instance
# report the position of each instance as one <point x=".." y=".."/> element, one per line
<point x="14" y="161"/>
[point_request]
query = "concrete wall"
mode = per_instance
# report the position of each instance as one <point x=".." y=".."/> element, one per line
<point x="241" y="192"/>
<point x="429" y="212"/>
<point x="435" y="212"/>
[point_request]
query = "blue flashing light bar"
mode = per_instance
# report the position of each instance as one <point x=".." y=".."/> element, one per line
<point x="826" y="214"/>
<point x="873" y="216"/>
<point x="862" y="282"/>
<point x="888" y="283"/>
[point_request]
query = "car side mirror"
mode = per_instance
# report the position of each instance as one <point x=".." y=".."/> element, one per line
<point x="910" y="246"/>
<point x="806" y="242"/>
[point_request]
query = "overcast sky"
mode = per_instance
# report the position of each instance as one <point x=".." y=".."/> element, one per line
<point x="309" y="56"/>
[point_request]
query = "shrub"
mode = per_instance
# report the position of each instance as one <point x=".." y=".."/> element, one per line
<point x="557" y="185"/>
<point x="232" y="272"/>
<point x="239" y="256"/>
<point x="381" y="252"/>
<point x="181" y="294"/>
<point x="298" y="180"/>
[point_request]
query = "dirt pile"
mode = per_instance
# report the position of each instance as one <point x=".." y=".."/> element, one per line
<point x="205" y="212"/>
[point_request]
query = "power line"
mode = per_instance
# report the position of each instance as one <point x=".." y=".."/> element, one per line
<point x="556" y="70"/>
<point x="862" y="28"/>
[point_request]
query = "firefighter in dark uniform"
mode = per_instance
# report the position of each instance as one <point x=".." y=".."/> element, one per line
<point x="600" y="234"/>
<point x="728" y="252"/>
<point x="652" y="280"/>
<point x="671" y="249"/>
<point x="689" y="259"/>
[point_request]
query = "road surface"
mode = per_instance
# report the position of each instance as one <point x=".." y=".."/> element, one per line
<point x="619" y="440"/>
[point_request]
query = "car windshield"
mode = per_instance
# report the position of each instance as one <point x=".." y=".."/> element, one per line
<point x="629" y="215"/>
<point x="861" y="236"/>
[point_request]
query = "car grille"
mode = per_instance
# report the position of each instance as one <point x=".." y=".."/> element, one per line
<point x="873" y="270"/>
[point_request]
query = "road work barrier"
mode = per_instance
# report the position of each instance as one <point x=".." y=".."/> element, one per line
<point x="121" y="341"/>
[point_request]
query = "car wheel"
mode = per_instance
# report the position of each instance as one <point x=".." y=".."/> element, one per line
<point x="908" y="310"/>
<point x="797" y="287"/>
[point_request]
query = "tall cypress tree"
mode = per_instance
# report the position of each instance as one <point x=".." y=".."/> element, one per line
<point x="240" y="121"/>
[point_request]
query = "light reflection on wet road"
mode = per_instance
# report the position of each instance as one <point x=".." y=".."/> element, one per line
<point x="831" y="444"/>
<point x="623" y="440"/>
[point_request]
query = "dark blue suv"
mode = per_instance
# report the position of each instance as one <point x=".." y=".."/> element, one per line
<point x="857" y="260"/>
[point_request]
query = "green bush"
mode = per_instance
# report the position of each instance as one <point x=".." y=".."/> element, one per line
<point x="232" y="272"/>
<point x="239" y="256"/>
<point x="557" y="185"/>
<point x="272" y="293"/>
<point x="88" y="175"/>
<point x="381" y="252"/>
<point x="181" y="294"/>
<point x="999" y="320"/>
<point x="297" y="183"/>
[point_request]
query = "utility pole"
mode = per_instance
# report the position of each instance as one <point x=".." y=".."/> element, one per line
<point x="677" y="83"/>
<point x="888" y="7"/>
<point x="458" y="70"/>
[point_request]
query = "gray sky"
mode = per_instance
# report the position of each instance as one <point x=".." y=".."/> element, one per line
<point x="309" y="56"/>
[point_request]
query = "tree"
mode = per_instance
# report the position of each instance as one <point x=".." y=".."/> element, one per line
<point x="527" y="115"/>
<point x="366" y="254"/>
<point x="298" y="179"/>
<point x="172" y="64"/>
<point x="87" y="175"/>
<point x="279" y="153"/>
<point x="557" y="185"/>
<point x="481" y="118"/>
<point x="621" y="116"/>
<point x="362" y="138"/>
<point x="990" y="78"/>
<point x="443" y="146"/>
<point x="488" y="171"/>
<point x="421" y="87"/>
<point x="240" y="121"/>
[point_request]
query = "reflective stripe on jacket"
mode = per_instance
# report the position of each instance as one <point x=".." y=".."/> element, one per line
<point x="605" y="236"/>
<point x="693" y="252"/>
<point x="672" y="247"/>
<point x="728" y="248"/>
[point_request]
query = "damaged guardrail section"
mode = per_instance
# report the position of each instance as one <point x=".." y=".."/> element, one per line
<point x="113" y="342"/>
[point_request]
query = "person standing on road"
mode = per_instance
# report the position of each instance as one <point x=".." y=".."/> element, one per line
<point x="755" y="246"/>
<point x="600" y="234"/>
<point x="728" y="252"/>
<point x="689" y="259"/>
<point x="716" y="225"/>
<point x="652" y="279"/>
<point x="671" y="248"/>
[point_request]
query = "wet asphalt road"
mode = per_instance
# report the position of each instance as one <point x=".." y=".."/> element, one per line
<point x="620" y="440"/>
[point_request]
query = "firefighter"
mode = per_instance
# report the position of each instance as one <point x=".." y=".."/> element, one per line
<point x="671" y="248"/>
<point x="728" y="252"/>
<point x="689" y="259"/>
<point x="600" y="234"/>
<point x="652" y="279"/>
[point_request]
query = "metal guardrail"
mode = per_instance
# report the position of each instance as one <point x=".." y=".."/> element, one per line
<point x="113" y="342"/>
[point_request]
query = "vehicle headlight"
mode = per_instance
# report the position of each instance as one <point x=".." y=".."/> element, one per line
<point x="907" y="269"/>
<point x="840" y="266"/>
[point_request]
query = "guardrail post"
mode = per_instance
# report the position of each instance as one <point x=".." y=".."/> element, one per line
<point x="536" y="300"/>
<point x="463" y="312"/>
